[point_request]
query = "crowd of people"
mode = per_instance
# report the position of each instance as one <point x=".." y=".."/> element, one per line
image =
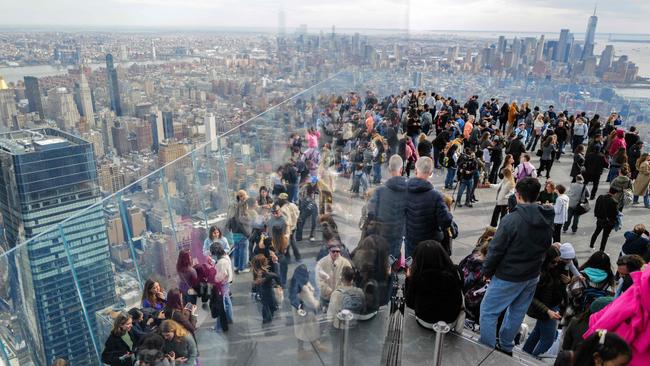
<point x="387" y="150"/>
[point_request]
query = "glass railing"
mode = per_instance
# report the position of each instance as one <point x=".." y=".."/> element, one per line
<point x="61" y="289"/>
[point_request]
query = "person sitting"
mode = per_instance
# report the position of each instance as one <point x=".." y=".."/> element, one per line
<point x="434" y="287"/>
<point x="572" y="334"/>
<point x="637" y="242"/>
<point x="371" y="260"/>
<point x="328" y="273"/>
<point x="344" y="297"/>
<point x="176" y="310"/>
<point x="153" y="296"/>
<point x="141" y="326"/>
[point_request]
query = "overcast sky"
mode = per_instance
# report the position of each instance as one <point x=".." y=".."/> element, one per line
<point x="620" y="16"/>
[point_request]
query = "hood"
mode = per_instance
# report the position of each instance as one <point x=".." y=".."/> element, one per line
<point x="536" y="215"/>
<point x="620" y="134"/>
<point x="397" y="184"/>
<point x="595" y="275"/>
<point x="417" y="185"/>
<point x="630" y="235"/>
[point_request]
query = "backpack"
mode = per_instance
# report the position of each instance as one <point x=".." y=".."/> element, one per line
<point x="205" y="275"/>
<point x="353" y="300"/>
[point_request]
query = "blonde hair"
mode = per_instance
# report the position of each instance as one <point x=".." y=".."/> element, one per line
<point x="507" y="175"/>
<point x="170" y="326"/>
<point x="423" y="136"/>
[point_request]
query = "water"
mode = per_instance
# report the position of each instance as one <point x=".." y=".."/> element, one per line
<point x="17" y="73"/>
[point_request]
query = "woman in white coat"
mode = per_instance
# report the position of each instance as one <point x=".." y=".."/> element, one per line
<point x="504" y="190"/>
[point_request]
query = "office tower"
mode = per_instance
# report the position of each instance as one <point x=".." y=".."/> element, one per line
<point x="86" y="101"/>
<point x="97" y="141"/>
<point x="169" y="151"/>
<point x="111" y="179"/>
<point x="501" y="46"/>
<point x="562" y="46"/>
<point x="113" y="86"/>
<point x="210" y="132"/>
<point x="120" y="139"/>
<point x="63" y="109"/>
<point x="157" y="130"/>
<point x="153" y="51"/>
<point x="7" y="104"/>
<point x="606" y="58"/>
<point x="44" y="294"/>
<point x="33" y="94"/>
<point x="168" y="123"/>
<point x="590" y="36"/>
<point x="282" y="26"/>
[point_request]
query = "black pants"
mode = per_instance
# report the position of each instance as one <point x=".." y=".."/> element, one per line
<point x="557" y="231"/>
<point x="595" y="181"/>
<point x="606" y="228"/>
<point x="307" y="211"/>
<point x="294" y="246"/>
<point x="545" y="165"/>
<point x="498" y="212"/>
<point x="494" y="173"/>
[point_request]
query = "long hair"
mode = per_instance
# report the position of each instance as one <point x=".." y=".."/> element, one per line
<point x="299" y="279"/>
<point x="122" y="318"/>
<point x="175" y="299"/>
<point x="170" y="326"/>
<point x="507" y="175"/>
<point x="429" y="254"/>
<point x="147" y="293"/>
<point x="600" y="260"/>
<point x="607" y="345"/>
<point x="370" y="258"/>
<point x="640" y="160"/>
<point x="184" y="260"/>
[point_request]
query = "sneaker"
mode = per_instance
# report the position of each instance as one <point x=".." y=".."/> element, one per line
<point x="469" y="205"/>
<point x="311" y="238"/>
<point x="245" y="270"/>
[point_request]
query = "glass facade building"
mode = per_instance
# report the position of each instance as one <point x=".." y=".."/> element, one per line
<point x="63" y="274"/>
<point x="113" y="86"/>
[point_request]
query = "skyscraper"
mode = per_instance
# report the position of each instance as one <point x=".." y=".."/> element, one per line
<point x="168" y="123"/>
<point x="210" y="132"/>
<point x="113" y="86"/>
<point x="606" y="58"/>
<point x="86" y="101"/>
<point x="33" y="94"/>
<point x="590" y="36"/>
<point x="120" y="139"/>
<point x="157" y="129"/>
<point x="563" y="46"/>
<point x="7" y="104"/>
<point x="62" y="107"/>
<point x="43" y="291"/>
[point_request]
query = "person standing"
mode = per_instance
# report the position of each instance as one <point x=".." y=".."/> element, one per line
<point x="467" y="166"/>
<point x="642" y="180"/>
<point x="578" y="165"/>
<point x="427" y="215"/>
<point x="595" y="163"/>
<point x="606" y="212"/>
<point x="561" y="207"/>
<point x="513" y="264"/>
<point x="504" y="190"/>
<point x="578" y="194"/>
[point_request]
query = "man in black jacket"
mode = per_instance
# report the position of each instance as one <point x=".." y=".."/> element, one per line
<point x="387" y="206"/>
<point x="513" y="263"/>
<point x="606" y="212"/>
<point x="515" y="148"/>
<point x="467" y="166"/>
<point x="427" y="215"/>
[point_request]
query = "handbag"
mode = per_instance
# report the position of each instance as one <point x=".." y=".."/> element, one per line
<point x="278" y="294"/>
<point x="583" y="207"/>
<point x="628" y="196"/>
<point x="539" y="152"/>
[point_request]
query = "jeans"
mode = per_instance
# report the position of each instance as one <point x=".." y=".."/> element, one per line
<point x="436" y="157"/>
<point x="292" y="192"/>
<point x="560" y="150"/>
<point x="376" y="167"/>
<point x="646" y="200"/>
<point x="294" y="246"/>
<point x="465" y="183"/>
<point x="613" y="173"/>
<point x="306" y="213"/>
<point x="501" y="295"/>
<point x="283" y="263"/>
<point x="227" y="306"/>
<point x="241" y="253"/>
<point x="449" y="180"/>
<point x="572" y="216"/>
<point x="533" y="143"/>
<point x="542" y="337"/>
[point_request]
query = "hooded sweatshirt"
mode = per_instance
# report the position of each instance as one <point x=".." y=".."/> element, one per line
<point x="619" y="141"/>
<point x="517" y="251"/>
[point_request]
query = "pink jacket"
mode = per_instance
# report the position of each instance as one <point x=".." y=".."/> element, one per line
<point x="312" y="139"/>
<point x="629" y="317"/>
<point x="619" y="141"/>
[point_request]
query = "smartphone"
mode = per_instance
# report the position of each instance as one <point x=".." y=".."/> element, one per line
<point x="189" y="306"/>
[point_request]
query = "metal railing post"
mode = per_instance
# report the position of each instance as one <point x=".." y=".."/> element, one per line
<point x="441" y="328"/>
<point x="345" y="316"/>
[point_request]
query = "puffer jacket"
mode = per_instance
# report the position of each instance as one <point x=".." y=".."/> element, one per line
<point x="427" y="214"/>
<point x="388" y="206"/>
<point x="550" y="292"/>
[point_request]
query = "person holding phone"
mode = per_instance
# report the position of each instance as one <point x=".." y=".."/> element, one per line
<point x="179" y="345"/>
<point x="120" y="345"/>
<point x="177" y="310"/>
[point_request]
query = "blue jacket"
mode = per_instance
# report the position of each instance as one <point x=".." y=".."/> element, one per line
<point x="427" y="214"/>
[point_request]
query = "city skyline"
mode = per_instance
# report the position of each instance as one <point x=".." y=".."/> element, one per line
<point x="626" y="16"/>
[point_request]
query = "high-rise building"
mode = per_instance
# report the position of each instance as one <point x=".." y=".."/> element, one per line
<point x="590" y="36"/>
<point x="7" y="105"/>
<point x="45" y="296"/>
<point x="85" y="100"/>
<point x="157" y="129"/>
<point x="33" y="94"/>
<point x="539" y="50"/>
<point x="113" y="86"/>
<point x="210" y="132"/>
<point x="97" y="140"/>
<point x="169" y="151"/>
<point x="501" y="45"/>
<point x="168" y="124"/>
<point x="62" y="108"/>
<point x="563" y="45"/>
<point x="120" y="139"/>
<point x="606" y="58"/>
<point x="111" y="178"/>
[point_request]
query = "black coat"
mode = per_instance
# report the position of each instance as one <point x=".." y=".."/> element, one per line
<point x="426" y="212"/>
<point x="578" y="163"/>
<point x="388" y="206"/>
<point x="435" y="295"/>
<point x="595" y="163"/>
<point x="115" y="347"/>
<point x="516" y="148"/>
<point x="519" y="246"/>
<point x="424" y="148"/>
<point x="550" y="292"/>
<point x="606" y="208"/>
